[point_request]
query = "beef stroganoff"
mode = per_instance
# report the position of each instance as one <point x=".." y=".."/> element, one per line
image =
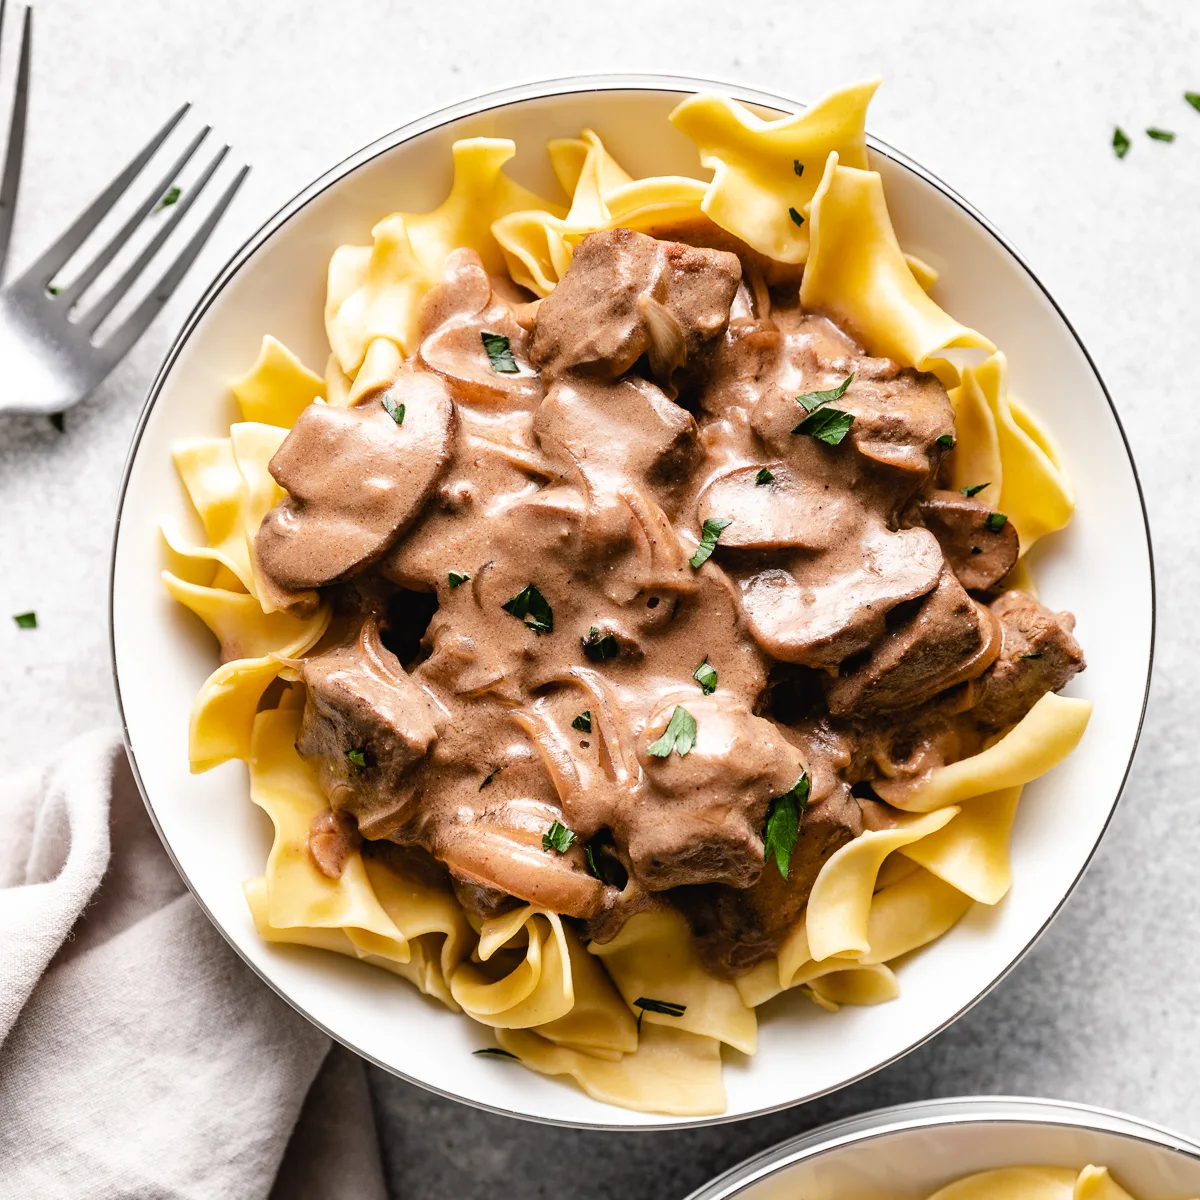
<point x="634" y="622"/>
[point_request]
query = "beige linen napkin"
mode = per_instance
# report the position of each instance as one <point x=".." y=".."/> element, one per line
<point x="139" y="1056"/>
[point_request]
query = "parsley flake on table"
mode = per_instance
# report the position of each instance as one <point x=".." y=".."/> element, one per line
<point x="170" y="196"/>
<point x="764" y="476"/>
<point x="995" y="521"/>
<point x="26" y="620"/>
<point x="558" y="837"/>
<point x="974" y="489"/>
<point x="706" y="676"/>
<point x="499" y="352"/>
<point x="1193" y="98"/>
<point x="531" y="607"/>
<point x="709" y="533"/>
<point x="783" y="824"/>
<point x="598" y="646"/>
<point x="679" y="735"/>
<point x="1120" y="142"/>
<point x="583" y="722"/>
<point x="393" y="410"/>
<point x="1160" y="135"/>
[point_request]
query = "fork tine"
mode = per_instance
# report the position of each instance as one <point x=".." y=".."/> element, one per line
<point x="135" y="324"/>
<point x="43" y="270"/>
<point x="16" y="137"/>
<point x="87" y="276"/>
<point x="91" y="320"/>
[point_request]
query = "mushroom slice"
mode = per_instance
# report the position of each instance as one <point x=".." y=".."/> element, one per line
<point x="784" y="512"/>
<point x="355" y="478"/>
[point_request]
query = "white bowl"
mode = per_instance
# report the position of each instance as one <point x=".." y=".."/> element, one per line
<point x="908" y="1152"/>
<point x="1100" y="568"/>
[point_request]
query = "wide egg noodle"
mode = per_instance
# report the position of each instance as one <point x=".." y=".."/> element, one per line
<point x="278" y="387"/>
<point x="839" y="905"/>
<point x="673" y="1071"/>
<point x="754" y="163"/>
<point x="238" y="622"/>
<point x="862" y="986"/>
<point x="299" y="893"/>
<point x="976" y="458"/>
<point x="538" y="245"/>
<point x="1047" y="733"/>
<point x="1013" y="1183"/>
<point x="912" y="913"/>
<point x="1095" y="1183"/>
<point x="376" y="291"/>
<point x="972" y="852"/>
<point x="1035" y="493"/>
<point x="653" y="957"/>
<point x="857" y="274"/>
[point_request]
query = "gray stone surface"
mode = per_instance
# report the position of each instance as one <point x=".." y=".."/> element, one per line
<point x="1013" y="103"/>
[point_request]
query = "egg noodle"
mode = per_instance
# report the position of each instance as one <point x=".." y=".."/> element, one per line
<point x="1035" y="1183"/>
<point x="559" y="1006"/>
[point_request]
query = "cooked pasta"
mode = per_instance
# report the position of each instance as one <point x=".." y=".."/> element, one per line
<point x="626" y="626"/>
<point x="1036" y="1183"/>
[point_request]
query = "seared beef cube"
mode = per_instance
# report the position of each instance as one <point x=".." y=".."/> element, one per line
<point x="625" y="295"/>
<point x="978" y="553"/>
<point x="1038" y="654"/>
<point x="950" y="638"/>
<point x="737" y="928"/>
<point x="366" y="724"/>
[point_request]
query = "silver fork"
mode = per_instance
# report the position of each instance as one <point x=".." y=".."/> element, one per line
<point x="50" y="355"/>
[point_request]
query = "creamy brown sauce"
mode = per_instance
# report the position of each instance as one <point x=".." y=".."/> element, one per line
<point x="849" y="609"/>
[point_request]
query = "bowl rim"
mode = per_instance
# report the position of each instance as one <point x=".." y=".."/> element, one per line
<point x="939" y="1114"/>
<point x="488" y="101"/>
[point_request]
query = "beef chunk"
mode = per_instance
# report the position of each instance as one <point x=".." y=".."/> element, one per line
<point x="700" y="816"/>
<point x="980" y="556"/>
<point x="627" y="294"/>
<point x="355" y="480"/>
<point x="362" y="702"/>
<point x="735" y="929"/>
<point x="1038" y="654"/>
<point x="949" y="638"/>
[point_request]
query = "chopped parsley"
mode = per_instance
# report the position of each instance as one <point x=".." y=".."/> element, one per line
<point x="495" y="1052"/>
<point x="946" y="440"/>
<point x="59" y="421"/>
<point x="709" y="534"/>
<point x="455" y="578"/>
<point x="783" y="824"/>
<point x="558" y="837"/>
<point x="1120" y="142"/>
<point x="393" y="410"/>
<point x="358" y="756"/>
<point x="26" y="620"/>
<point x="592" y="863"/>
<point x="974" y="489"/>
<point x="583" y="722"/>
<point x="499" y="352"/>
<point x="1160" y="135"/>
<point x="995" y="521"/>
<point x="706" y="676"/>
<point x="598" y="646"/>
<point x="668" y="1008"/>
<point x="809" y="401"/>
<point x="1037" y="655"/>
<point x="53" y="289"/>
<point x="170" y="196"/>
<point x="797" y="219"/>
<point x="679" y="735"/>
<point x="531" y="607"/>
<point x="764" y="476"/>
<point x="1193" y="98"/>
<point x="828" y="425"/>
<point x="490" y="778"/>
<point x="797" y="166"/>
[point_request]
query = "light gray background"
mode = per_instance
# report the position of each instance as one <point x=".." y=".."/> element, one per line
<point x="1013" y="104"/>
